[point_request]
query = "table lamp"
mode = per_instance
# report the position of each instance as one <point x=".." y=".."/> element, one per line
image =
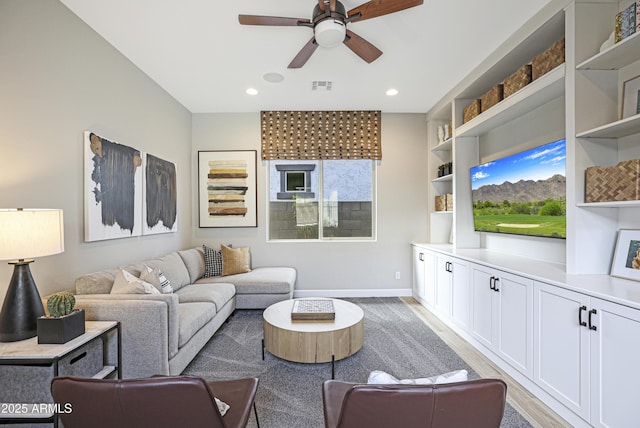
<point x="24" y="234"/>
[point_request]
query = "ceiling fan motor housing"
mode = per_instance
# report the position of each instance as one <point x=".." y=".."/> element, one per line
<point x="329" y="26"/>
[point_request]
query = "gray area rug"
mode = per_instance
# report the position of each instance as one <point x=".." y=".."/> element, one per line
<point x="290" y="394"/>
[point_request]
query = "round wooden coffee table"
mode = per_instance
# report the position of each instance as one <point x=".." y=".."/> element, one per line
<point x="313" y="341"/>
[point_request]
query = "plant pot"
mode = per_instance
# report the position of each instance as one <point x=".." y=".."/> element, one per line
<point x="61" y="329"/>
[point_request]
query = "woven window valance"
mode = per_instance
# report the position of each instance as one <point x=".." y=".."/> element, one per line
<point x="321" y="135"/>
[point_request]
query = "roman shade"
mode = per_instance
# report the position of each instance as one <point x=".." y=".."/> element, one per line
<point x="296" y="135"/>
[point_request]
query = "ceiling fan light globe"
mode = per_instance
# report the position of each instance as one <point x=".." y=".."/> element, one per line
<point x="330" y="33"/>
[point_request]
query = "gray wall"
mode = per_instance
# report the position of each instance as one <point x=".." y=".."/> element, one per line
<point x="58" y="78"/>
<point x="335" y="268"/>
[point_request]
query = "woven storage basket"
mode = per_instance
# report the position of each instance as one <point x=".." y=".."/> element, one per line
<point x="449" y="201"/>
<point x="492" y="97"/>
<point x="441" y="202"/>
<point x="613" y="183"/>
<point x="471" y="111"/>
<point x="517" y="80"/>
<point x="548" y="60"/>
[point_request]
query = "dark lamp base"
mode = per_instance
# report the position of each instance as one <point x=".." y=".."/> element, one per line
<point x="22" y="305"/>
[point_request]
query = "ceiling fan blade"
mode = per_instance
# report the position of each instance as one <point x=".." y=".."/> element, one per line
<point x="375" y="8"/>
<point x="304" y="54"/>
<point x="332" y="5"/>
<point x="361" y="47"/>
<point x="271" y="20"/>
<point x="321" y="5"/>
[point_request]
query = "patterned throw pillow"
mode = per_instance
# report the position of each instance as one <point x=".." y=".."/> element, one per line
<point x="157" y="279"/>
<point x="212" y="262"/>
<point x="126" y="283"/>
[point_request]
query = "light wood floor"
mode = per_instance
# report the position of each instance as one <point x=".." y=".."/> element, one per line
<point x="536" y="412"/>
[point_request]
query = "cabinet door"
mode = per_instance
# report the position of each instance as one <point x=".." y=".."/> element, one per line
<point x="614" y="356"/>
<point x="443" y="285"/>
<point x="515" y="324"/>
<point x="482" y="312"/>
<point x="460" y="294"/>
<point x="562" y="346"/>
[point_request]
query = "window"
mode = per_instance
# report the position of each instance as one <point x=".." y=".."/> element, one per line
<point x="321" y="199"/>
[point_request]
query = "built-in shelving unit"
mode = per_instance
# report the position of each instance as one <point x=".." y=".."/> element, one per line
<point x="581" y="102"/>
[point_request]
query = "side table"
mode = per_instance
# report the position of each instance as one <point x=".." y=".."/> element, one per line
<point x="27" y="368"/>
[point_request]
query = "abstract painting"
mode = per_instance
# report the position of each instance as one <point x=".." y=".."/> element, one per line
<point x="113" y="189"/>
<point x="160" y="208"/>
<point x="227" y="193"/>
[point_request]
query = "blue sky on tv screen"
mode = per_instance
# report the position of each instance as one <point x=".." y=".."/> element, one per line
<point x="535" y="164"/>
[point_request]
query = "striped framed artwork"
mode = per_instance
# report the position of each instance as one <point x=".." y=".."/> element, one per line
<point x="227" y="188"/>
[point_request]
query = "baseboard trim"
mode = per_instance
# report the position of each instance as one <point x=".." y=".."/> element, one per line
<point x="389" y="292"/>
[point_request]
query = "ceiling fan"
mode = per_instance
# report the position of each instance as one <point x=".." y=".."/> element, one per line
<point x="329" y="22"/>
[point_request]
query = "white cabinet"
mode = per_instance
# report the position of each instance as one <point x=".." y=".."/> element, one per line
<point x="586" y="351"/>
<point x="452" y="289"/>
<point x="423" y="276"/>
<point x="502" y="315"/>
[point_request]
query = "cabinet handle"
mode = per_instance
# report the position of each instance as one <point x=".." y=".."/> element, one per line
<point x="495" y="284"/>
<point x="447" y="267"/>
<point x="582" y="323"/>
<point x="421" y="257"/>
<point x="591" y="326"/>
<point x="492" y="284"/>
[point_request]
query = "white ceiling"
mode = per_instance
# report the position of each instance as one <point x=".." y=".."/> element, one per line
<point x="199" y="53"/>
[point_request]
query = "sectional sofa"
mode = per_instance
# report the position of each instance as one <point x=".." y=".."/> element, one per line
<point x="162" y="333"/>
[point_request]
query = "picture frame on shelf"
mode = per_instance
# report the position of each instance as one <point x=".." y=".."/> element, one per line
<point x="631" y="97"/>
<point x="626" y="258"/>
<point x="227" y="188"/>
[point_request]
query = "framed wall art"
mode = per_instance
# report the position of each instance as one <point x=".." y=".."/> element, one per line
<point x="631" y="97"/>
<point x="626" y="258"/>
<point x="160" y="207"/>
<point x="113" y="189"/>
<point x="227" y="188"/>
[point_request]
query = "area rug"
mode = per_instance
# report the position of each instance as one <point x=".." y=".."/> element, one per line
<point x="290" y="394"/>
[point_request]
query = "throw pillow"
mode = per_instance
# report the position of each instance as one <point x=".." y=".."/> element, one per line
<point x="212" y="262"/>
<point x="126" y="283"/>
<point x="155" y="277"/>
<point x="234" y="260"/>
<point x="382" y="378"/>
<point x="222" y="406"/>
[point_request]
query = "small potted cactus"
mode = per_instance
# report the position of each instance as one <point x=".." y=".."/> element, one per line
<point x="64" y="322"/>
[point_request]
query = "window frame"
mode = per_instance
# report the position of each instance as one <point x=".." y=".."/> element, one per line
<point x="320" y="184"/>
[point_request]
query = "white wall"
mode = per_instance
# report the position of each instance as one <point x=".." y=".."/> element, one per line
<point x="342" y="268"/>
<point x="58" y="78"/>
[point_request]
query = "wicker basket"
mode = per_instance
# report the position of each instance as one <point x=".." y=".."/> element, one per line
<point x="517" y="80"/>
<point x="471" y="111"/>
<point x="441" y="202"/>
<point x="492" y="97"/>
<point x="449" y="201"/>
<point x="614" y="183"/>
<point x="548" y="60"/>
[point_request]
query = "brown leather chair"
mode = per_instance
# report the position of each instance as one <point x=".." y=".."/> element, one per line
<point x="476" y="403"/>
<point x="156" y="402"/>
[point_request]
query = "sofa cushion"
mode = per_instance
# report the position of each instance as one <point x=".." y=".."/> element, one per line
<point x="218" y="294"/>
<point x="96" y="282"/>
<point x="173" y="268"/>
<point x="193" y="316"/>
<point x="155" y="277"/>
<point x="234" y="260"/>
<point x="262" y="280"/>
<point x="193" y="259"/>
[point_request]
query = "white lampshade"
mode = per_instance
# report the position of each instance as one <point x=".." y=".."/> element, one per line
<point x="29" y="233"/>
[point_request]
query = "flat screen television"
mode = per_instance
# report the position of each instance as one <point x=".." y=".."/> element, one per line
<point x="522" y="194"/>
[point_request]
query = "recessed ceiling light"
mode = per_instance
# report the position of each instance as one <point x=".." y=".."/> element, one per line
<point x="391" y="92"/>
<point x="252" y="91"/>
<point x="273" y="77"/>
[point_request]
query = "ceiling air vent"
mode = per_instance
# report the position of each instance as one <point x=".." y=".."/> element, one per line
<point x="321" y="85"/>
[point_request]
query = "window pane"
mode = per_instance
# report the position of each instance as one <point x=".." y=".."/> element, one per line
<point x="347" y="198"/>
<point x="293" y="199"/>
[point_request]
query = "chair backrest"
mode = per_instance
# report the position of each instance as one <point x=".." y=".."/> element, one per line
<point x="477" y="403"/>
<point x="169" y="401"/>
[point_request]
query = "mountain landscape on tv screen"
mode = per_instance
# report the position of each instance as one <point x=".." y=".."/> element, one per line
<point x="523" y="191"/>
